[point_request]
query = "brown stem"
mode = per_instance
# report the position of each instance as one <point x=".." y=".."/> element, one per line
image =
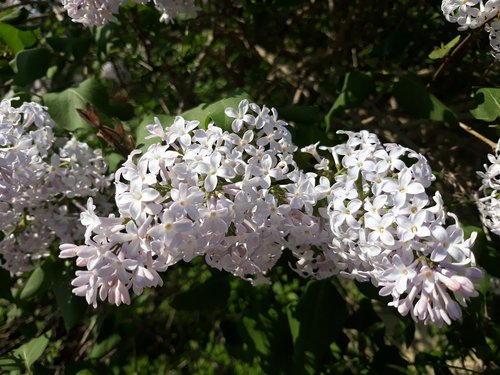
<point x="479" y="136"/>
<point x="449" y="58"/>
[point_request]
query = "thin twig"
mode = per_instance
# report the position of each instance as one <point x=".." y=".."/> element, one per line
<point x="450" y="57"/>
<point x="479" y="136"/>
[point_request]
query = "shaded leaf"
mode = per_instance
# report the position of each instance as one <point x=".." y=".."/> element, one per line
<point x="6" y="283"/>
<point x="321" y="313"/>
<point x="33" y="284"/>
<point x="413" y="98"/>
<point x="72" y="307"/>
<point x="31" y="64"/>
<point x="209" y="295"/>
<point x="75" y="46"/>
<point x="300" y="114"/>
<point x="487" y="104"/>
<point x="11" y="363"/>
<point x="257" y="335"/>
<point x="105" y="346"/>
<point x="356" y="88"/>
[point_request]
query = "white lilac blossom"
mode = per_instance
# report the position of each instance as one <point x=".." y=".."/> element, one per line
<point x="100" y="12"/>
<point x="387" y="229"/>
<point x="489" y="203"/>
<point x="473" y="14"/>
<point x="239" y="200"/>
<point x="236" y="198"/>
<point x="35" y="182"/>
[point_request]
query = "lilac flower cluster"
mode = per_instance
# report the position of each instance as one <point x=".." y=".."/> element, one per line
<point x="100" y="12"/>
<point x="489" y="203"/>
<point x="385" y="230"/>
<point x="34" y="180"/>
<point x="238" y="199"/>
<point x="472" y="14"/>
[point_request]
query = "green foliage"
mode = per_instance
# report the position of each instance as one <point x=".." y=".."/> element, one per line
<point x="31" y="64"/>
<point x="17" y="40"/>
<point x="444" y="49"/>
<point x="33" y="284"/>
<point x="355" y="90"/>
<point x="412" y="96"/>
<point x="488" y="104"/>
<point x="63" y="105"/>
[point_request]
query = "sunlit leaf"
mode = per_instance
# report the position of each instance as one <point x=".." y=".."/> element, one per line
<point x="63" y="105"/>
<point x="16" y="39"/>
<point x="32" y="350"/>
<point x="444" y="49"/>
<point x="488" y="104"/>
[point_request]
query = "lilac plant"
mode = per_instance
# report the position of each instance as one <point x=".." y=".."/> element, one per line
<point x="473" y="14"/>
<point x="100" y="12"/>
<point x="37" y="184"/>
<point x="387" y="229"/>
<point x="239" y="200"/>
<point x="489" y="202"/>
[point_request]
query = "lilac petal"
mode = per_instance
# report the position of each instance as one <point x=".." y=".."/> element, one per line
<point x="438" y="254"/>
<point x="415" y="188"/>
<point x="149" y="195"/>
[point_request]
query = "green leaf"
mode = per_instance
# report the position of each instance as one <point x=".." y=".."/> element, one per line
<point x="6" y="283"/>
<point x="11" y="363"/>
<point x="31" y="64"/>
<point x="75" y="46"/>
<point x="257" y="335"/>
<point x="33" y="284"/>
<point x="104" y="347"/>
<point x="141" y="132"/>
<point x="293" y="323"/>
<point x="445" y="49"/>
<point x="209" y="295"/>
<point x="32" y="350"/>
<point x="72" y="307"/>
<point x="206" y="113"/>
<point x="63" y="105"/>
<point x="488" y="104"/>
<point x="16" y="39"/>
<point x="14" y="15"/>
<point x="356" y="88"/>
<point x="302" y="114"/>
<point x="321" y="313"/>
<point x="413" y="98"/>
